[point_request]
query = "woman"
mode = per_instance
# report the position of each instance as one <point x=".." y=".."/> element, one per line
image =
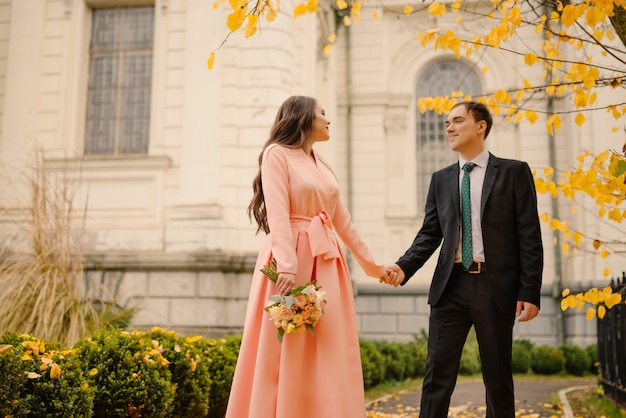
<point x="296" y="203"/>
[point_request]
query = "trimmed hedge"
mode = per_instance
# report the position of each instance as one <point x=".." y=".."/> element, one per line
<point x="158" y="373"/>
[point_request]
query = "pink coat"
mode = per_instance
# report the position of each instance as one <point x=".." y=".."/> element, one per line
<point x="307" y="376"/>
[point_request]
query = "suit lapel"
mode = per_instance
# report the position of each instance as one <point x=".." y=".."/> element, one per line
<point x="453" y="181"/>
<point x="490" y="179"/>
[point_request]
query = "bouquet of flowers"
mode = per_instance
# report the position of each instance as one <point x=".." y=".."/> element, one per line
<point x="299" y="310"/>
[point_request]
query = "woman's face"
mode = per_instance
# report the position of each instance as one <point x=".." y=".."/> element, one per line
<point x="319" y="130"/>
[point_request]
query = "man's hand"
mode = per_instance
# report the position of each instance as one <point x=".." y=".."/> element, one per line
<point x="526" y="311"/>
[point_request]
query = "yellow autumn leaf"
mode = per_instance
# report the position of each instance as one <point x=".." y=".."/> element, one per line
<point x="299" y="10"/>
<point x="613" y="300"/>
<point x="591" y="313"/>
<point x="55" y="371"/>
<point x="271" y="15"/>
<point x="530" y="59"/>
<point x="580" y="119"/>
<point x="437" y="9"/>
<point x="604" y="253"/>
<point x="548" y="172"/>
<point x="311" y="6"/>
<point x="554" y="224"/>
<point x="564" y="305"/>
<point x="251" y="26"/>
<point x="32" y="375"/>
<point x="601" y="311"/>
<point x="458" y="20"/>
<point x="606" y="272"/>
<point x="569" y="15"/>
<point x="93" y="372"/>
<point x="566" y="248"/>
<point x="565" y="292"/>
<point x="328" y="49"/>
<point x="341" y="4"/>
<point x="577" y="237"/>
<point x="408" y="9"/>
<point x="540" y="186"/>
<point x="235" y="19"/>
<point x="502" y="96"/>
<point x="531" y="115"/>
<point x="616" y="215"/>
<point x="4" y="348"/>
<point x="485" y="70"/>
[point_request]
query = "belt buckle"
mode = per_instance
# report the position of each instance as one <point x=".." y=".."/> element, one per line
<point x="478" y="268"/>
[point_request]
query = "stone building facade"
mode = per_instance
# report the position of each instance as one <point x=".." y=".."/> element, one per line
<point x="117" y="94"/>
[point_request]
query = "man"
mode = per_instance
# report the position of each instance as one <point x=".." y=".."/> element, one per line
<point x="496" y="278"/>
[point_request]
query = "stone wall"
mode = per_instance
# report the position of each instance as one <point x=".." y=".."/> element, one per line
<point x="207" y="294"/>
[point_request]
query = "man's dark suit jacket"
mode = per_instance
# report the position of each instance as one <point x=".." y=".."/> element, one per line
<point x="510" y="228"/>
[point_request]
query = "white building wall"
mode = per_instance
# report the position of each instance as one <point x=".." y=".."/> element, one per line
<point x="169" y="230"/>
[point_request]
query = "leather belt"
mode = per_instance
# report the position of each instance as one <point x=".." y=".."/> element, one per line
<point x="477" y="267"/>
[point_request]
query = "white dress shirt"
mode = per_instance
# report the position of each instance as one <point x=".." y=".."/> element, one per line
<point x="477" y="178"/>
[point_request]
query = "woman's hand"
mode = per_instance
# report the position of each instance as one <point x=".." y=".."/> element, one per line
<point x="286" y="283"/>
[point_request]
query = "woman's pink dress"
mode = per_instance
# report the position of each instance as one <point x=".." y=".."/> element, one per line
<point x="316" y="376"/>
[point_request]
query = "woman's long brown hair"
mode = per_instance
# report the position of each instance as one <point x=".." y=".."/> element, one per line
<point x="292" y="127"/>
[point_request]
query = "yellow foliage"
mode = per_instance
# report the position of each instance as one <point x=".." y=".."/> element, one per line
<point x="579" y="119"/>
<point x="408" y="9"/>
<point x="531" y="115"/>
<point x="530" y="59"/>
<point x="235" y="19"/>
<point x="437" y="9"/>
<point x="299" y="10"/>
<point x="251" y="26"/>
<point x="570" y="14"/>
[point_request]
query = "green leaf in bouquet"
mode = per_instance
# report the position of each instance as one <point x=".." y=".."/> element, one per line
<point x="281" y="332"/>
<point x="310" y="328"/>
<point x="289" y="301"/>
<point x="269" y="270"/>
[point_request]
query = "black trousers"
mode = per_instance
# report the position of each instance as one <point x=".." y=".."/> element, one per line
<point x="467" y="301"/>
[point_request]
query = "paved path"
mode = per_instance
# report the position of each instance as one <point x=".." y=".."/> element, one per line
<point x="534" y="397"/>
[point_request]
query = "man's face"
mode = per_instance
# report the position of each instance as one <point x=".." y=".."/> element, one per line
<point x="464" y="133"/>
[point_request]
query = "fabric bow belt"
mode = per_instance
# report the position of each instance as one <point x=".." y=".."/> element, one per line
<point x="321" y="237"/>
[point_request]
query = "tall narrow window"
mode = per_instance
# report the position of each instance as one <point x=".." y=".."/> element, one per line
<point x="433" y="151"/>
<point x="120" y="69"/>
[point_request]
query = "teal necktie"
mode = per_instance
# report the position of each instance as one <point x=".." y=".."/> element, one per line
<point x="466" y="213"/>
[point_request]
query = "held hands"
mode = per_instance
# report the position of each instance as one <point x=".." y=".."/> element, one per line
<point x="394" y="276"/>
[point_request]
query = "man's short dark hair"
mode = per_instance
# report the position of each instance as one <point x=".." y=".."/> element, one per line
<point x="479" y="112"/>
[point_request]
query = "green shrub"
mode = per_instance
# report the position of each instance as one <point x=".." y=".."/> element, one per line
<point x="419" y="348"/>
<point x="12" y="377"/>
<point x="470" y="358"/>
<point x="189" y="366"/>
<point x="373" y="364"/>
<point x="576" y="359"/>
<point x="129" y="373"/>
<point x="547" y="360"/>
<point x="394" y="358"/>
<point x="594" y="363"/>
<point x="520" y="357"/>
<point x="222" y="356"/>
<point x="40" y="381"/>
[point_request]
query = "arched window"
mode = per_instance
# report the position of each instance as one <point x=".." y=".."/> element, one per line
<point x="433" y="151"/>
